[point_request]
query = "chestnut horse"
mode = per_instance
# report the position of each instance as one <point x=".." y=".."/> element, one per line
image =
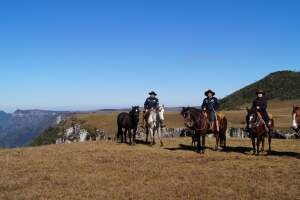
<point x="296" y="118"/>
<point x="198" y="120"/>
<point x="257" y="130"/>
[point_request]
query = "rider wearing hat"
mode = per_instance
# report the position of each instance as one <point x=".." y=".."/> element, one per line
<point x="260" y="104"/>
<point x="151" y="103"/>
<point x="211" y="105"/>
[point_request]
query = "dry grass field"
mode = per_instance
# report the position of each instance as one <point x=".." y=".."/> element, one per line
<point x="280" y="110"/>
<point x="107" y="170"/>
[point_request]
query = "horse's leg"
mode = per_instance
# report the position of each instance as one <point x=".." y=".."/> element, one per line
<point x="147" y="134"/>
<point x="270" y="141"/>
<point x="159" y="136"/>
<point x="217" y="142"/>
<point x="134" y="136"/>
<point x="151" y="132"/>
<point x="258" y="144"/>
<point x="161" y="139"/>
<point x="263" y="144"/>
<point x="224" y="140"/>
<point x="153" y="136"/>
<point x="122" y="135"/>
<point x="125" y="135"/>
<point x="198" y="137"/>
<point x="253" y="144"/>
<point x="119" y="134"/>
<point x="203" y="143"/>
<point x="130" y="136"/>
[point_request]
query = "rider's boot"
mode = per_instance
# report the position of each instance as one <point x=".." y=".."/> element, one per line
<point x="211" y="127"/>
<point x="267" y="127"/>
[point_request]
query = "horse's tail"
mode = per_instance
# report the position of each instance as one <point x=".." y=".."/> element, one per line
<point x="223" y="125"/>
<point x="120" y="131"/>
<point x="223" y="130"/>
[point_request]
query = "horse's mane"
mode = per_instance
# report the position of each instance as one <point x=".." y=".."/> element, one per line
<point x="193" y="110"/>
<point x="133" y="110"/>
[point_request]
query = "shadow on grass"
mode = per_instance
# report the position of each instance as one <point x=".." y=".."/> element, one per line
<point x="239" y="149"/>
<point x="285" y="153"/>
<point x="182" y="147"/>
<point x="242" y="150"/>
<point x="142" y="142"/>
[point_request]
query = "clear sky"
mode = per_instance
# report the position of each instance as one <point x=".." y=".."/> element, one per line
<point x="89" y="54"/>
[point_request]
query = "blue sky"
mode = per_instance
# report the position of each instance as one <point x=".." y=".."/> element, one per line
<point x="76" y="54"/>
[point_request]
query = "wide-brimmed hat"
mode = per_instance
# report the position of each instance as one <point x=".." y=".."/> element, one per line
<point x="152" y="93"/>
<point x="209" y="91"/>
<point x="260" y="92"/>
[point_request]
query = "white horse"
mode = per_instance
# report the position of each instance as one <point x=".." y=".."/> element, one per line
<point x="154" y="124"/>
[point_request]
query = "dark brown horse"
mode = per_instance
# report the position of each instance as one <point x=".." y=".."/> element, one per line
<point x="128" y="122"/>
<point x="198" y="120"/>
<point x="296" y="118"/>
<point x="257" y="129"/>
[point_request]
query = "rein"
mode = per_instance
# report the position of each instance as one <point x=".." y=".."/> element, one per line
<point x="200" y="119"/>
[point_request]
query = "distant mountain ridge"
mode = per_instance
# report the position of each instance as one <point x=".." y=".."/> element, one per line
<point x="21" y="127"/>
<point x="282" y="85"/>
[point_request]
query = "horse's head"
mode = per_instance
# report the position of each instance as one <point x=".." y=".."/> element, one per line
<point x="296" y="110"/>
<point x="187" y="116"/>
<point x="251" y="118"/>
<point x="135" y="112"/>
<point x="161" y="112"/>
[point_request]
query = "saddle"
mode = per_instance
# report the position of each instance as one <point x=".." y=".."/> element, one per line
<point x="270" y="116"/>
<point x="220" y="115"/>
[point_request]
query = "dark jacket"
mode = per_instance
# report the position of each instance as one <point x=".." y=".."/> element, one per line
<point x="151" y="102"/>
<point x="260" y="102"/>
<point x="210" y="104"/>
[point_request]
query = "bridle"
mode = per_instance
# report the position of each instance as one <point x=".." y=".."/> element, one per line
<point x="257" y="121"/>
<point x="190" y="122"/>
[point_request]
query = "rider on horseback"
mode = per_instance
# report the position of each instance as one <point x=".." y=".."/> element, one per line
<point x="151" y="103"/>
<point x="211" y="105"/>
<point x="260" y="105"/>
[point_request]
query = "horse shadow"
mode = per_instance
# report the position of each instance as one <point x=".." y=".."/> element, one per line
<point x="238" y="149"/>
<point x="285" y="154"/>
<point x="142" y="142"/>
<point x="182" y="147"/>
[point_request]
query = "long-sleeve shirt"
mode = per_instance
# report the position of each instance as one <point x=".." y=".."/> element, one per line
<point x="151" y="102"/>
<point x="211" y="104"/>
<point x="260" y="102"/>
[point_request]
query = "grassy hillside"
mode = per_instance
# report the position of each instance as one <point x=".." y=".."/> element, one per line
<point x="106" y="170"/>
<point x="282" y="85"/>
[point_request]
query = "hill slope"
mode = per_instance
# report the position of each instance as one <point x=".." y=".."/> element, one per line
<point x="22" y="126"/>
<point x="283" y="85"/>
<point x="106" y="170"/>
